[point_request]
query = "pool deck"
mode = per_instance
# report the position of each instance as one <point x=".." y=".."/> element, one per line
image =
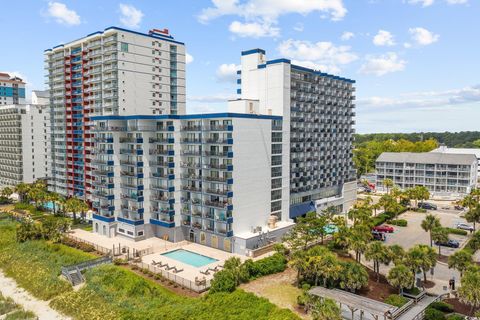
<point x="159" y="246"/>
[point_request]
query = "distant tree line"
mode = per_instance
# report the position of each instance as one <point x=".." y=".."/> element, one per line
<point x="464" y="139"/>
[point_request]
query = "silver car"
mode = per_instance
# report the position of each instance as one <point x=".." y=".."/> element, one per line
<point x="464" y="226"/>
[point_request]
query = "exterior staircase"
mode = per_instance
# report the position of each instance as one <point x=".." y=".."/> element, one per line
<point x="73" y="273"/>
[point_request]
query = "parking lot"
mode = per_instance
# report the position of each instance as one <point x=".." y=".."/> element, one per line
<point x="413" y="234"/>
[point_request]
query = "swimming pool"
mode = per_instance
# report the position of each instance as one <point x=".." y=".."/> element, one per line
<point x="190" y="258"/>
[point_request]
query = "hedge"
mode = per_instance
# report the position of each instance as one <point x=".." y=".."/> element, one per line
<point x="442" y="306"/>
<point x="396" y="300"/>
<point x="457" y="231"/>
<point x="399" y="222"/>
<point x="385" y="216"/>
<point x="433" y="314"/>
<point x="269" y="265"/>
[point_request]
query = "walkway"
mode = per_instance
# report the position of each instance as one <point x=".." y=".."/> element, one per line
<point x="417" y="308"/>
<point x="9" y="288"/>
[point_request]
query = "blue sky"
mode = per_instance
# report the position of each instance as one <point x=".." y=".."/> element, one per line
<point x="416" y="62"/>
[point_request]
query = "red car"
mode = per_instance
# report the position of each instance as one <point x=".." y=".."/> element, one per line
<point x="383" y="228"/>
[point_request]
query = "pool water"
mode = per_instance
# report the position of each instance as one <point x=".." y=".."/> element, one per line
<point x="48" y="205"/>
<point x="330" y="229"/>
<point x="190" y="258"/>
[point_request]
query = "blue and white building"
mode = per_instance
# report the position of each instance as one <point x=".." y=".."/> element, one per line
<point x="318" y="125"/>
<point x="213" y="179"/>
<point x="12" y="90"/>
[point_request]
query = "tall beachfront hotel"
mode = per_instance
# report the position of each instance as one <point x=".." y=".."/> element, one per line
<point x="110" y="72"/>
<point x="233" y="181"/>
<point x="318" y="121"/>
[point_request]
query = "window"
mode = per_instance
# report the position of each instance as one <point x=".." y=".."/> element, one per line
<point x="124" y="47"/>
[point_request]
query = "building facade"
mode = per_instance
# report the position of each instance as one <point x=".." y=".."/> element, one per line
<point x="12" y="90"/>
<point x="24" y="144"/>
<point x="474" y="151"/>
<point x="213" y="179"/>
<point x="318" y="123"/>
<point x="110" y="72"/>
<point x="441" y="173"/>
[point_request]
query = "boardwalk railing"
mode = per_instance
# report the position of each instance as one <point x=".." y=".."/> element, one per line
<point x="200" y="285"/>
<point x="97" y="247"/>
<point x="73" y="273"/>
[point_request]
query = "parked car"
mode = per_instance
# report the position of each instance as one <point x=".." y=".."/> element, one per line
<point x="427" y="206"/>
<point x="379" y="236"/>
<point x="449" y="243"/>
<point x="460" y="208"/>
<point x="464" y="226"/>
<point x="383" y="228"/>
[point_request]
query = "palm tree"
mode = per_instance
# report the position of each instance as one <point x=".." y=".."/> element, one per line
<point x="429" y="223"/>
<point x="54" y="198"/>
<point x="326" y="309"/>
<point x="75" y="206"/>
<point x="440" y="235"/>
<point x="353" y="276"/>
<point x="469" y="291"/>
<point x="473" y="216"/>
<point x="400" y="277"/>
<point x="388" y="183"/>
<point x="22" y="190"/>
<point x="460" y="261"/>
<point x="298" y="262"/>
<point x="326" y="267"/>
<point x="396" y="253"/>
<point x="360" y="235"/>
<point x="6" y="192"/>
<point x="422" y="258"/>
<point x="377" y="252"/>
<point x="469" y="201"/>
<point x="422" y="193"/>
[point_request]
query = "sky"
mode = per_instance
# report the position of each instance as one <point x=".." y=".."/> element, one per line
<point x="415" y="62"/>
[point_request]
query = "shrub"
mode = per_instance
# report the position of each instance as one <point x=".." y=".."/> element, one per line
<point x="269" y="265"/>
<point x="223" y="281"/>
<point x="442" y="306"/>
<point x="396" y="300"/>
<point x="455" y="317"/>
<point x="134" y="267"/>
<point x="457" y="231"/>
<point x="433" y="314"/>
<point x="381" y="218"/>
<point x="421" y="210"/>
<point x="120" y="262"/>
<point x="399" y="222"/>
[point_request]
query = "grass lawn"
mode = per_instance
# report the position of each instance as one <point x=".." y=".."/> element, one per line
<point x="112" y="292"/>
<point x="13" y="311"/>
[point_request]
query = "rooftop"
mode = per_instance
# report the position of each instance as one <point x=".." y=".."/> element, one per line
<point x="188" y="116"/>
<point x="428" y="158"/>
<point x="474" y="151"/>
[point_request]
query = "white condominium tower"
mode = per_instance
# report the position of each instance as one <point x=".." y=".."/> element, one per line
<point x="109" y="72"/>
<point x="318" y="119"/>
<point x="24" y="136"/>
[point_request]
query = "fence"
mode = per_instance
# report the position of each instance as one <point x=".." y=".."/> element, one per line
<point x="97" y="248"/>
<point x="197" y="286"/>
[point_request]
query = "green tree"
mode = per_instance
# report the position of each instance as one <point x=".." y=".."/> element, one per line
<point x="400" y="277"/>
<point x="6" y="192"/>
<point x="22" y="190"/>
<point x="378" y="253"/>
<point x="421" y="258"/>
<point x="360" y="235"/>
<point x="469" y="291"/>
<point x="429" y="223"/>
<point x="422" y="193"/>
<point x="325" y="267"/>
<point x="303" y="233"/>
<point x="298" y="261"/>
<point x="353" y="276"/>
<point x="396" y="253"/>
<point x="388" y="203"/>
<point x="223" y="281"/>
<point x="440" y="235"/>
<point x="234" y="264"/>
<point x="460" y="261"/>
<point x="388" y="183"/>
<point x="326" y="309"/>
<point x="75" y="205"/>
<point x="473" y="216"/>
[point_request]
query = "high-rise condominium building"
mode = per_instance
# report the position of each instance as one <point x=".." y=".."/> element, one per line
<point x="213" y="179"/>
<point x="12" y="90"/>
<point x="24" y="143"/>
<point x="110" y="72"/>
<point x="318" y="119"/>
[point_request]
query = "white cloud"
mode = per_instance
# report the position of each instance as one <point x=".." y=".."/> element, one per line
<point x="261" y="16"/>
<point x="214" y="98"/>
<point x="254" y="29"/>
<point x="423" y="36"/>
<point x="188" y="58"/>
<point x="62" y="14"/>
<point x="130" y="16"/>
<point x="227" y="72"/>
<point x="424" y="3"/>
<point x="272" y="9"/>
<point x="383" y="64"/>
<point x="298" y="27"/>
<point x="407" y="45"/>
<point x="347" y="35"/>
<point x="457" y="1"/>
<point x="324" y="56"/>
<point x="383" y="38"/>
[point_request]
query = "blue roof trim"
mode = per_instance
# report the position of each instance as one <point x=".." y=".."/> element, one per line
<point x="301" y="209"/>
<point x="278" y="61"/>
<point x="156" y="36"/>
<point x="188" y="116"/>
<point x="258" y="50"/>
<point x="323" y="74"/>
